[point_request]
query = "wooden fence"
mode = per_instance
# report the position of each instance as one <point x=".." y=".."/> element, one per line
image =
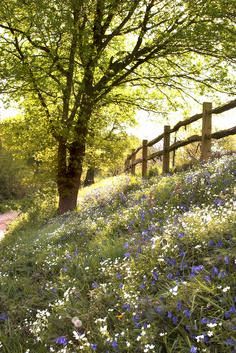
<point x="205" y="139"/>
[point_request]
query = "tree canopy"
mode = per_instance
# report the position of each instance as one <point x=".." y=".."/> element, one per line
<point x="73" y="57"/>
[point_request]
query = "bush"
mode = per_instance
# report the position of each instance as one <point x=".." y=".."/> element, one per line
<point x="11" y="186"/>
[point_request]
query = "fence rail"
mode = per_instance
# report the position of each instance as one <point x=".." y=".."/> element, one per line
<point x="205" y="139"/>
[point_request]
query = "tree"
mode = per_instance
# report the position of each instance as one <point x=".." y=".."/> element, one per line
<point x="75" y="56"/>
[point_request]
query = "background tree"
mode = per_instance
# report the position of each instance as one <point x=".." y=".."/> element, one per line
<point x="74" y="56"/>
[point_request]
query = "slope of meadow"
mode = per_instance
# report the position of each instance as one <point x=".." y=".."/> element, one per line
<point x="143" y="266"/>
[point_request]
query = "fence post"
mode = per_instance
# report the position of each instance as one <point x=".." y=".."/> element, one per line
<point x="132" y="162"/>
<point x="166" y="154"/>
<point x="206" y="131"/>
<point x="144" y="158"/>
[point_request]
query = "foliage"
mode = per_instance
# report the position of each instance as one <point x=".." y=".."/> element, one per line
<point x="11" y="177"/>
<point x="144" y="266"/>
<point x="73" y="58"/>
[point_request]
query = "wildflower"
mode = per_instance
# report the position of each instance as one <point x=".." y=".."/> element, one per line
<point x="218" y="202"/>
<point x="204" y="320"/>
<point x="155" y="275"/>
<point x="61" y="340"/>
<point x="95" y="285"/>
<point x="230" y="342"/>
<point x="211" y="325"/>
<point x="175" y="320"/>
<point x="200" y="338"/>
<point x="127" y="255"/>
<point x="174" y="290"/>
<point x="181" y="235"/>
<point x="211" y="243"/>
<point x="193" y="349"/>
<point x="93" y="346"/>
<point x="3" y="317"/>
<point x="214" y="271"/>
<point x="209" y="333"/>
<point x="114" y="344"/>
<point x="226" y="289"/>
<point x="187" y="313"/>
<point x="170" y="276"/>
<point x="76" y="322"/>
<point x="230" y="312"/>
<point x="226" y="260"/>
<point x="126" y="307"/>
<point x="179" y="305"/>
<point x="196" y="269"/>
<point x="219" y="244"/>
<point x="162" y="334"/>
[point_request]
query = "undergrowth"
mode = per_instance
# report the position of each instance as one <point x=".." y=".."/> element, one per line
<point x="142" y="266"/>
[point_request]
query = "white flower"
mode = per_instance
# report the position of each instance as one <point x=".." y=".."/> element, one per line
<point x="226" y="289"/>
<point x="174" y="290"/>
<point x="76" y="322"/>
<point x="200" y="338"/>
<point x="163" y="334"/>
<point x="211" y="325"/>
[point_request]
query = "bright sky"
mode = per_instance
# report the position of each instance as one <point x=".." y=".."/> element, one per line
<point x="150" y="126"/>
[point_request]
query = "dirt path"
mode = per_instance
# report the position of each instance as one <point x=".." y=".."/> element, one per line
<point x="5" y="220"/>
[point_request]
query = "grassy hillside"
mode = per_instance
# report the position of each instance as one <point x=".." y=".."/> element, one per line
<point x="141" y="267"/>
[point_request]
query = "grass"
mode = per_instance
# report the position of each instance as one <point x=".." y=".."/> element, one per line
<point x="143" y="266"/>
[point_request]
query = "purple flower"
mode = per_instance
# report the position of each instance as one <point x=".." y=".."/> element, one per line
<point x="218" y="202"/>
<point x="175" y="320"/>
<point x="181" y="235"/>
<point x="118" y="276"/>
<point x="142" y="285"/>
<point x="95" y="285"/>
<point x="226" y="260"/>
<point x="182" y="253"/>
<point x="61" y="340"/>
<point x="187" y="313"/>
<point x="205" y="320"/>
<point x="207" y="279"/>
<point x="230" y="312"/>
<point x="179" y="305"/>
<point x="127" y="255"/>
<point x="169" y="315"/>
<point x="170" y="276"/>
<point x="155" y="275"/>
<point x="230" y="342"/>
<point x="93" y="346"/>
<point x="193" y="349"/>
<point x="159" y="309"/>
<point x="214" y="271"/>
<point x="170" y="261"/>
<point x="114" y="344"/>
<point x="126" y="245"/>
<point x="219" y="244"/>
<point x="136" y="319"/>
<point x="211" y="243"/>
<point x="126" y="307"/>
<point x="3" y="317"/>
<point x="196" y="269"/>
<point x="222" y="274"/>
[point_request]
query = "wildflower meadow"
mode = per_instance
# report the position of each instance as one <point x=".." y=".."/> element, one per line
<point x="141" y="266"/>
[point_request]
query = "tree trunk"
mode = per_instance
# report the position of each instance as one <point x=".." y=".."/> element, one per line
<point x="70" y="158"/>
<point x="67" y="199"/>
<point x="69" y="175"/>
<point x="89" y="179"/>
